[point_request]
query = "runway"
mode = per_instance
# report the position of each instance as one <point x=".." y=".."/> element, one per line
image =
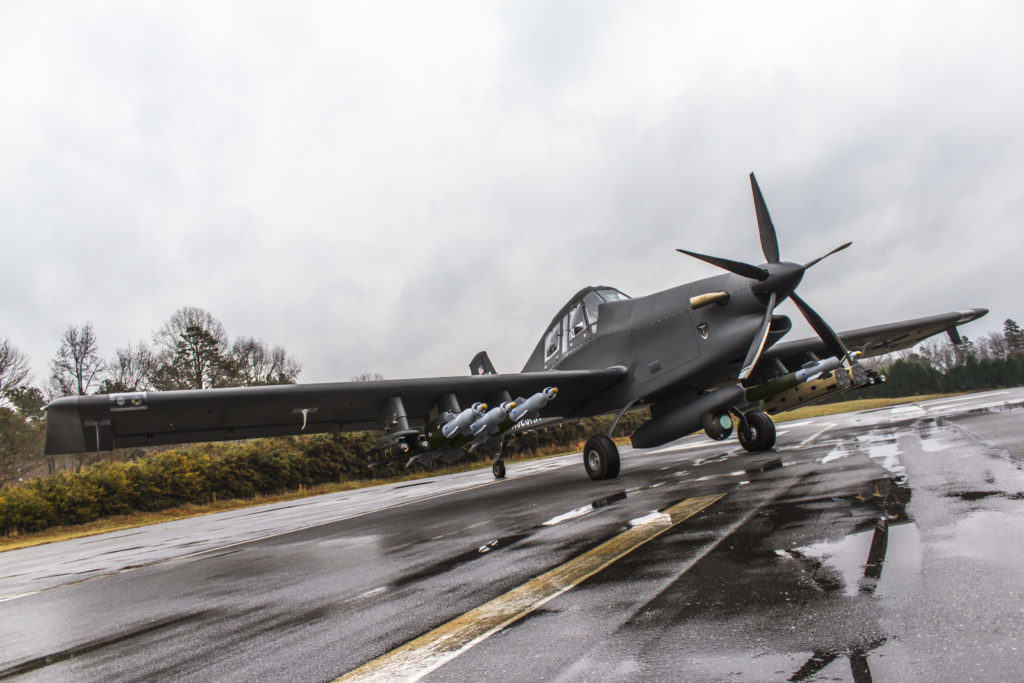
<point x="886" y="543"/>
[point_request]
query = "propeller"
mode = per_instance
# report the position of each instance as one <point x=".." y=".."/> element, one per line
<point x="769" y="241"/>
<point x="774" y="284"/>
<point x="738" y="267"/>
<point x="839" y="248"/>
<point x="832" y="341"/>
<point x="754" y="352"/>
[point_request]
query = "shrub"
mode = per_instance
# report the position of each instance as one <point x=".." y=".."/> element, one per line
<point x="22" y="509"/>
<point x="73" y="497"/>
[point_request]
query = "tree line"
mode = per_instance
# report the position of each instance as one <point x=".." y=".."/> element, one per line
<point x="191" y="350"/>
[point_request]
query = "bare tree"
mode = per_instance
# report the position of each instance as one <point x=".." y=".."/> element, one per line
<point x="131" y="369"/>
<point x="256" y="364"/>
<point x="939" y="353"/>
<point x="368" y="377"/>
<point x="993" y="346"/>
<point x="77" y="365"/>
<point x="14" y="373"/>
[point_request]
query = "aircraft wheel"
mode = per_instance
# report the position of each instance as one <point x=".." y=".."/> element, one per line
<point x="498" y="468"/>
<point x="717" y="426"/>
<point x="601" y="458"/>
<point x="756" y="432"/>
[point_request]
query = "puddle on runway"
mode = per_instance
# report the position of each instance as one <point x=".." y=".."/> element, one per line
<point x="881" y="445"/>
<point x="798" y="583"/>
<point x="854" y="564"/>
<point x="856" y="654"/>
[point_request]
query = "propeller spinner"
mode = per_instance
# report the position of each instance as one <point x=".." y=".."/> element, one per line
<point x="774" y="282"/>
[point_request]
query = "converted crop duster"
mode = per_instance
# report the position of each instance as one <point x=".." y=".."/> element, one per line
<point x="698" y="354"/>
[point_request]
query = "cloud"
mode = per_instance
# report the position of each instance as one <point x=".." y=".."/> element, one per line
<point x="392" y="187"/>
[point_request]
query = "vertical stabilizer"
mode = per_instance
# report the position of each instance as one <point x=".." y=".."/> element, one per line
<point x="481" y="365"/>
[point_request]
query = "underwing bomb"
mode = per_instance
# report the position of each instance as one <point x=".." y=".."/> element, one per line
<point x="533" y="404"/>
<point x="389" y="453"/>
<point x="518" y="412"/>
<point x="491" y="419"/>
<point x="461" y="422"/>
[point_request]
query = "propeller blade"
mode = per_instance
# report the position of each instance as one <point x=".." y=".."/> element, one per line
<point x="839" y="248"/>
<point x="832" y="341"/>
<point x="754" y="353"/>
<point x="769" y="242"/>
<point x="738" y="267"/>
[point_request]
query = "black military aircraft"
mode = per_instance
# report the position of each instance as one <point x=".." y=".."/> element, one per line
<point x="703" y="354"/>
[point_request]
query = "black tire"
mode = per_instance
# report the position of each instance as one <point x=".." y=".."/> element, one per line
<point x="713" y="426"/>
<point x="601" y="458"/>
<point x="756" y="432"/>
<point x="498" y="468"/>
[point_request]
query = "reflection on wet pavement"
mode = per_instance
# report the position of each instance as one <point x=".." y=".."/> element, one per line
<point x="835" y="577"/>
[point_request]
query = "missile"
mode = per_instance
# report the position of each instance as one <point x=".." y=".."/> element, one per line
<point x="788" y="381"/>
<point x="533" y="404"/>
<point x="461" y="422"/>
<point x="492" y="419"/>
<point x="827" y="365"/>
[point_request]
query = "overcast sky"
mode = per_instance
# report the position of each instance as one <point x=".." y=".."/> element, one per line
<point x="392" y="187"/>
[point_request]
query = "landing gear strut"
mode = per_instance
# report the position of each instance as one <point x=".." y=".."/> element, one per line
<point x="756" y="431"/>
<point x="498" y="468"/>
<point x="601" y="458"/>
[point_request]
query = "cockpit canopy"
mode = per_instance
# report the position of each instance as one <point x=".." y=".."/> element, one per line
<point x="577" y="321"/>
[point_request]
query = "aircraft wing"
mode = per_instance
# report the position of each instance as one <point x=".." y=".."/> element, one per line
<point x="872" y="341"/>
<point x="78" y="424"/>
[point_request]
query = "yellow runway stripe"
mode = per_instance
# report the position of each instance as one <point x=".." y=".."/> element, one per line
<point x="419" y="657"/>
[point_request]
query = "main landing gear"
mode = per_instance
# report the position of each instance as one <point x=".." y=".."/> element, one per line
<point x="756" y="431"/>
<point x="601" y="457"/>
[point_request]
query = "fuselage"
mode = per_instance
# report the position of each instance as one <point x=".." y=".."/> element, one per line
<point x="667" y="346"/>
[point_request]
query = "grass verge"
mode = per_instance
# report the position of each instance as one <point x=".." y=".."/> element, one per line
<point x="820" y="409"/>
<point x="137" y="519"/>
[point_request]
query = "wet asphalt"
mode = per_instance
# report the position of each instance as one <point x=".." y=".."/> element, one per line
<point x="884" y="544"/>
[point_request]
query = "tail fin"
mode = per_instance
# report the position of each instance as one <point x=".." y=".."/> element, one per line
<point x="481" y="365"/>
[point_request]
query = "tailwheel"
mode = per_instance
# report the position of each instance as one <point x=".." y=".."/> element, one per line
<point x="601" y="458"/>
<point x="756" y="431"/>
<point x="498" y="468"/>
